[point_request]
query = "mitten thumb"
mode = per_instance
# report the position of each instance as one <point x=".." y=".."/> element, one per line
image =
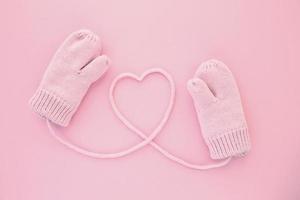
<point x="200" y="92"/>
<point x="96" y="68"/>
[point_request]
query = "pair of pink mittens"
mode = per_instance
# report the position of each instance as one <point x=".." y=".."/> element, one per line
<point x="78" y="63"/>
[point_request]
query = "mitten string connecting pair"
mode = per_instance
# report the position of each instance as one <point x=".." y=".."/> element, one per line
<point x="147" y="140"/>
<point x="78" y="63"/>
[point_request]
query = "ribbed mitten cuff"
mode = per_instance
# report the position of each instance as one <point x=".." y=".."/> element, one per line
<point x="52" y="107"/>
<point x="232" y="143"/>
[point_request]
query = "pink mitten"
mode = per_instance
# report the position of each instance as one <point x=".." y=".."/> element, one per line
<point x="219" y="109"/>
<point x="74" y="67"/>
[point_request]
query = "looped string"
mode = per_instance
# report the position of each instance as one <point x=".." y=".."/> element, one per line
<point x="147" y="140"/>
<point x="123" y="153"/>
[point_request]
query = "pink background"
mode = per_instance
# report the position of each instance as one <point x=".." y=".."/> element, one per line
<point x="258" y="40"/>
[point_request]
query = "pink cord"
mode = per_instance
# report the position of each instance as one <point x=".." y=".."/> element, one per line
<point x="146" y="139"/>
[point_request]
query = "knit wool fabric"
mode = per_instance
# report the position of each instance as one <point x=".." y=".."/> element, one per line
<point x="218" y="105"/>
<point x="74" y="67"/>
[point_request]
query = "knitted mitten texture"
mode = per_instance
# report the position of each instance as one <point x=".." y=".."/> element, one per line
<point x="74" y="67"/>
<point x="218" y="105"/>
